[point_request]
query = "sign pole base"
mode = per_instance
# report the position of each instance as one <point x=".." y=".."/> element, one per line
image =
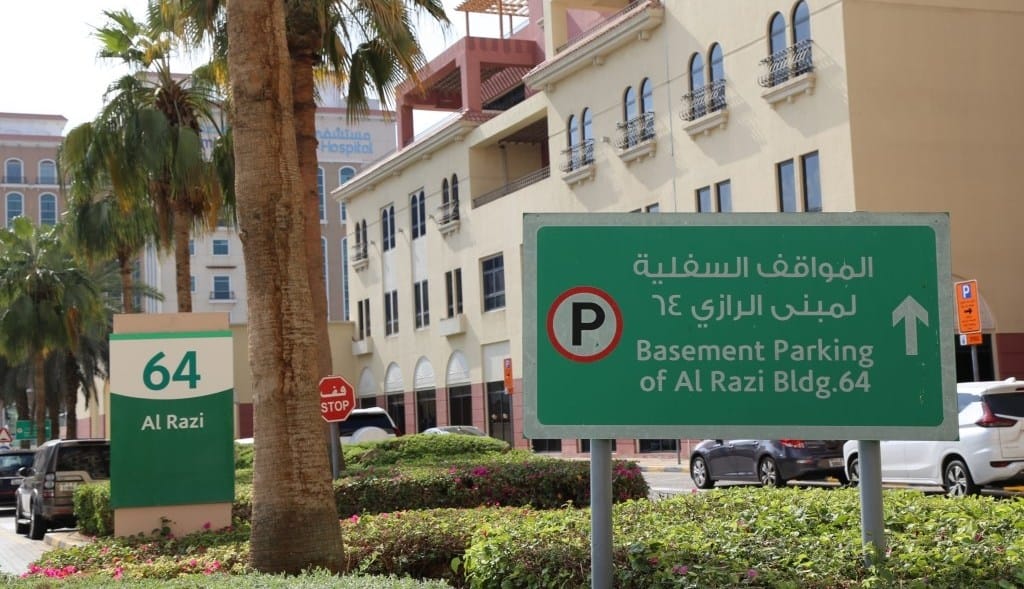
<point x="601" y="514"/>
<point x="872" y="522"/>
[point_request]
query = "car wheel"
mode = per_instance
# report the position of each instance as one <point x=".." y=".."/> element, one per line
<point x="768" y="473"/>
<point x="853" y="471"/>
<point x="956" y="479"/>
<point x="20" y="527"/>
<point x="700" y="474"/>
<point x="37" y="526"/>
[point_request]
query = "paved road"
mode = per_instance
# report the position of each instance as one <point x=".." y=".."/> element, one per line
<point x="16" y="550"/>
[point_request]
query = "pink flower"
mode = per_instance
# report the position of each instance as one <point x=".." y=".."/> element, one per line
<point x="751" y="574"/>
<point x="118" y="573"/>
<point x="680" y="569"/>
<point x="206" y="526"/>
<point x="653" y="561"/>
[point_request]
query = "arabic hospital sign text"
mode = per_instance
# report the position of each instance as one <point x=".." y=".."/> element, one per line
<point x="834" y="325"/>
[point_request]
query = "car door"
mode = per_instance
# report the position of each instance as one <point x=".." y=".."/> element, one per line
<point x="719" y="457"/>
<point x="744" y="458"/>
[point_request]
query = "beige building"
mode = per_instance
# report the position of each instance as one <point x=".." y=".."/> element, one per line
<point x="28" y="180"/>
<point x="684" y="106"/>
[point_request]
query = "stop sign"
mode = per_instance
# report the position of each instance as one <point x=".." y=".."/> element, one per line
<point x="337" y="399"/>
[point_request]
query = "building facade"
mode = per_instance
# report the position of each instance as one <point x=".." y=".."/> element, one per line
<point x="28" y="180"/>
<point x="681" y="106"/>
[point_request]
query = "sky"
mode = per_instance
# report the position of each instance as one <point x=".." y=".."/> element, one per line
<point x="49" y="55"/>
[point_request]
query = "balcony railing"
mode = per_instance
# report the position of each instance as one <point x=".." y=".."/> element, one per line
<point x="786" y="64"/>
<point x="636" y="130"/>
<point x="517" y="184"/>
<point x="222" y="295"/>
<point x="448" y="212"/>
<point x="704" y="100"/>
<point x="15" y="179"/>
<point x="583" y="34"/>
<point x="577" y="156"/>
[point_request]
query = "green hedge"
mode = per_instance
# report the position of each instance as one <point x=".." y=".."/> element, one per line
<point x="726" y="538"/>
<point x="92" y="509"/>
<point x="544" y="483"/>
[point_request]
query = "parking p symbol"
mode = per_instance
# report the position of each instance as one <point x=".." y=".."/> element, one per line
<point x="584" y="324"/>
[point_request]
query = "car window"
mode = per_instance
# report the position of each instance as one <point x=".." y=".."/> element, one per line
<point x="965" y="399"/>
<point x="356" y="422"/>
<point x="94" y="460"/>
<point x="1011" y="404"/>
<point x="10" y="463"/>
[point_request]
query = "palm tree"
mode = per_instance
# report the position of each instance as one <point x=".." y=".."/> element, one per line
<point x="296" y="511"/>
<point x="107" y="209"/>
<point x="365" y="46"/>
<point x="44" y="294"/>
<point x="157" y="118"/>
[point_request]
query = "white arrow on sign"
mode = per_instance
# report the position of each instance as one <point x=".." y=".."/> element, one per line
<point x="910" y="312"/>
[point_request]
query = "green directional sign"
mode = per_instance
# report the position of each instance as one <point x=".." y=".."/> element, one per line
<point x="832" y="325"/>
<point x="25" y="429"/>
<point x="171" y="424"/>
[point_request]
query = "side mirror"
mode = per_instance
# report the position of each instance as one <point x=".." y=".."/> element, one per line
<point x="25" y="471"/>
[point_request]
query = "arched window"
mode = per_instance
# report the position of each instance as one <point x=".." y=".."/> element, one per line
<point x="418" y="214"/>
<point x="646" y="96"/>
<point x="717" y="63"/>
<point x="716" y="74"/>
<point x="646" y="126"/>
<point x="15" y="206"/>
<point x="572" y="131"/>
<point x="47" y="172"/>
<point x="801" y="23"/>
<point x="802" y="59"/>
<point x="47" y="209"/>
<point x="455" y="196"/>
<point x="359" y="238"/>
<point x="777" y="33"/>
<point x="366" y="239"/>
<point x="445" y="195"/>
<point x="14" y="172"/>
<point x="778" y="62"/>
<point x="629" y="107"/>
<point x="587" y="135"/>
<point x="697" y="85"/>
<point x="345" y="173"/>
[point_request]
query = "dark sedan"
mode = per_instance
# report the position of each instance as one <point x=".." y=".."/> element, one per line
<point x="10" y="462"/>
<point x="769" y="462"/>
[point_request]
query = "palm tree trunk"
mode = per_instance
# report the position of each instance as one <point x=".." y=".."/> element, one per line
<point x="39" y="394"/>
<point x="182" y="259"/>
<point x="294" y="518"/>
<point x="304" y="103"/>
<point x="21" y="404"/>
<point x="53" y="411"/>
<point x="124" y="264"/>
<point x="71" y="396"/>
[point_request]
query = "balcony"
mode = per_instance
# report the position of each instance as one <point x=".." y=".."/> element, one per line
<point x="222" y="296"/>
<point x="704" y="109"/>
<point x="788" y="73"/>
<point x="454" y="325"/>
<point x="517" y="184"/>
<point x="579" y="162"/>
<point x="636" y="137"/>
<point x="448" y="217"/>
<point x="362" y="347"/>
<point x="360" y="257"/>
<point x="15" y="179"/>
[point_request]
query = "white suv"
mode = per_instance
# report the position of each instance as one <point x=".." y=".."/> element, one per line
<point x="990" y="452"/>
<point x="365" y="425"/>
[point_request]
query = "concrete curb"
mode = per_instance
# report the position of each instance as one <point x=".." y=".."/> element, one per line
<point x="661" y="468"/>
<point x="65" y="539"/>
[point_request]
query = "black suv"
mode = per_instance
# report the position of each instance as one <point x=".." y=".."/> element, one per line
<point x="44" y="498"/>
